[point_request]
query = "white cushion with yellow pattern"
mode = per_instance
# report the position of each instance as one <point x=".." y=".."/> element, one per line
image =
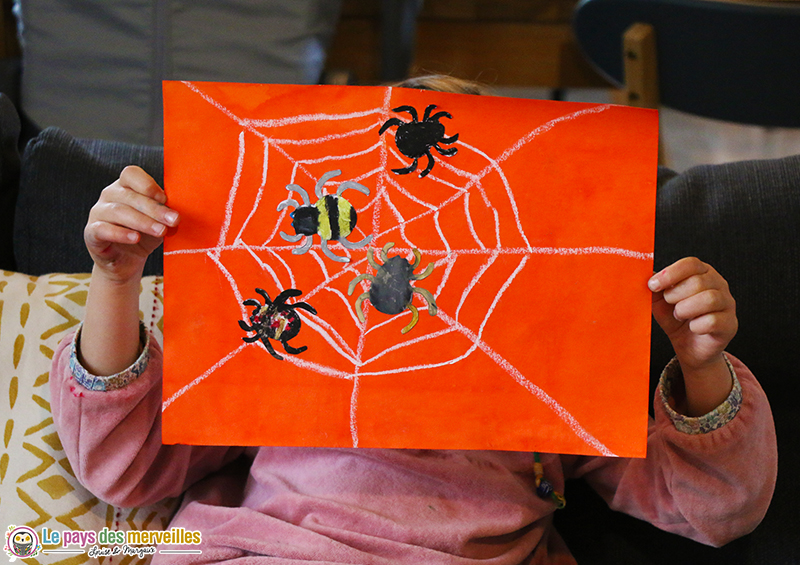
<point x="37" y="486"/>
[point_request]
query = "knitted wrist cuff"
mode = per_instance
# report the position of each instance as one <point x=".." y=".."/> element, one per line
<point x="111" y="382"/>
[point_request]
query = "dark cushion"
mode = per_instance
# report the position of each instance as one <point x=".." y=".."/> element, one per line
<point x="9" y="178"/>
<point x="62" y="178"/>
<point x="744" y="219"/>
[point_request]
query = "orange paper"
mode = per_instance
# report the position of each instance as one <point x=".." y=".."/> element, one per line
<point x="539" y="228"/>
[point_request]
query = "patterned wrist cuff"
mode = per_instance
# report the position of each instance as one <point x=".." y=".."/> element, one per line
<point x="111" y="382"/>
<point x="715" y="419"/>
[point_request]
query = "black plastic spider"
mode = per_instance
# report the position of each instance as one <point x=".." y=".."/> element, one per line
<point x="391" y="291"/>
<point x="275" y="320"/>
<point x="333" y="218"/>
<point x="416" y="138"/>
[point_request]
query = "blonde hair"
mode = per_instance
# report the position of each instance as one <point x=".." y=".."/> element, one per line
<point x="444" y="83"/>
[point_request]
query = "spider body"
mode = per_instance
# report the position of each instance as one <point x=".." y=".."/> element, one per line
<point x="391" y="292"/>
<point x="415" y="139"/>
<point x="333" y="218"/>
<point x="275" y="320"/>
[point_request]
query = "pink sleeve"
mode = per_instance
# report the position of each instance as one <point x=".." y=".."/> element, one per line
<point x="113" y="438"/>
<point x="712" y="487"/>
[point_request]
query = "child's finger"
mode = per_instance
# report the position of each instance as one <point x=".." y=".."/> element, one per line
<point x="702" y="303"/>
<point x="695" y="284"/>
<point x="136" y="179"/>
<point x="675" y="273"/>
<point x="100" y="235"/>
<point x="128" y="217"/>
<point x="117" y="194"/>
<point x="714" y="323"/>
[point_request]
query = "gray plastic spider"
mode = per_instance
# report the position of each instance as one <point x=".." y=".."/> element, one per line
<point x="333" y="218"/>
<point x="391" y="291"/>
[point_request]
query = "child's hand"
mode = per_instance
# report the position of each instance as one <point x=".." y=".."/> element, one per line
<point x="127" y="224"/>
<point x="694" y="307"/>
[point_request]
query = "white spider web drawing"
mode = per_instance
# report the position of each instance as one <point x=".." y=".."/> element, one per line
<point x="455" y="222"/>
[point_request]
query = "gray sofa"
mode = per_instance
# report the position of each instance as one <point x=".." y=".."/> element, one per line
<point x="744" y="218"/>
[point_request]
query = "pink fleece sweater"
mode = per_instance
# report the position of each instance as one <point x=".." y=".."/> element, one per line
<point x="272" y="505"/>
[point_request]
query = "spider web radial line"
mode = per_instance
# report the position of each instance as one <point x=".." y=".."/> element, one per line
<point x="380" y="191"/>
<point x="324" y="138"/>
<point x="533" y="134"/>
<point x="538" y="392"/>
<point x="318" y="117"/>
<point x="183" y="390"/>
<point x="340" y="157"/>
<point x="482" y="271"/>
<point x="591" y="250"/>
<point x="223" y="234"/>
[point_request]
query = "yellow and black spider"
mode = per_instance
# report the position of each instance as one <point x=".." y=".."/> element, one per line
<point x="333" y="218"/>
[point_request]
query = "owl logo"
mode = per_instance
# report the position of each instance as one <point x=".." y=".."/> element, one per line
<point x="22" y="542"/>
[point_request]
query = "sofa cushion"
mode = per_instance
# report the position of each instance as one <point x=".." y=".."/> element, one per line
<point x="62" y="178"/>
<point x="744" y="219"/>
<point x="37" y="485"/>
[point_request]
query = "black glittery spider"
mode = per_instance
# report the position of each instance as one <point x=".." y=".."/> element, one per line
<point x="416" y="138"/>
<point x="391" y="291"/>
<point x="275" y="320"/>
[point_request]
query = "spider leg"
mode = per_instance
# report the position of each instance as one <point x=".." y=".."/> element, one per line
<point x="448" y="140"/>
<point x="424" y="274"/>
<point x="280" y="300"/>
<point x="288" y="202"/>
<point x="354" y="185"/>
<point x="430" y="164"/>
<point x="404" y="171"/>
<point x="385" y="250"/>
<point x="252" y="302"/>
<point x="439" y="115"/>
<point x="389" y="123"/>
<point x="292" y="238"/>
<point x="305" y="247"/>
<point x="269" y="347"/>
<point x="305" y="306"/>
<point x="428" y="112"/>
<point x="410" y="109"/>
<point x="432" y="308"/>
<point x="358" y="279"/>
<point x="264" y="295"/>
<point x="359" y="308"/>
<point x="446" y="152"/>
<point x="301" y="191"/>
<point x="414" y="318"/>
<point x="371" y="259"/>
<point x="331" y="255"/>
<point x="417" y="258"/>
<point x="245" y="327"/>
<point x="249" y="339"/>
<point x="358" y="245"/>
<point x="323" y="179"/>
<point x="293" y="350"/>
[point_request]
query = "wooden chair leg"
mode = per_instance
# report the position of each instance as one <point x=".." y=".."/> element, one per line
<point x="641" y="71"/>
